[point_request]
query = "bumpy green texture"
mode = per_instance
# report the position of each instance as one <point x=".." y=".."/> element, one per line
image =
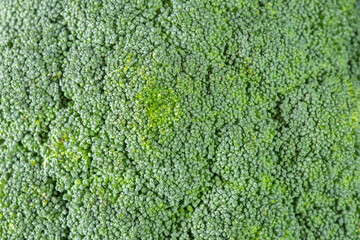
<point x="173" y="119"/>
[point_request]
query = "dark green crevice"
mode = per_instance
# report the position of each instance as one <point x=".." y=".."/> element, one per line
<point x="10" y="44"/>
<point x="208" y="80"/>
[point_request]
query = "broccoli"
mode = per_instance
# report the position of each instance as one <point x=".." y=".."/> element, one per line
<point x="174" y="119"/>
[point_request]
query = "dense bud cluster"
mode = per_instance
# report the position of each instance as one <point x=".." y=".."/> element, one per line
<point x="174" y="119"/>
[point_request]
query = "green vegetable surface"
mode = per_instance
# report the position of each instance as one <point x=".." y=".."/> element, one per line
<point x="174" y="119"/>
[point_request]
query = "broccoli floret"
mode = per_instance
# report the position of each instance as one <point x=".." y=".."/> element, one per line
<point x="174" y="119"/>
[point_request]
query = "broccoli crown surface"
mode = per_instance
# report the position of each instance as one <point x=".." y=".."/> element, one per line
<point x="174" y="119"/>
